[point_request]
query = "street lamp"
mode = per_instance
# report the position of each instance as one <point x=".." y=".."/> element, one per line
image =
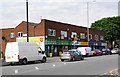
<point x="27" y="21"/>
<point x="88" y="31"/>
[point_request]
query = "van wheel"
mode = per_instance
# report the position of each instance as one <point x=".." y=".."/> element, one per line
<point x="43" y="60"/>
<point x="24" y="61"/>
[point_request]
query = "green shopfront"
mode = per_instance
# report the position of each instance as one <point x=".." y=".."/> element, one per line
<point x="55" y="47"/>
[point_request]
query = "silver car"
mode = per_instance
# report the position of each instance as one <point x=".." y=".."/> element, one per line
<point x="71" y="55"/>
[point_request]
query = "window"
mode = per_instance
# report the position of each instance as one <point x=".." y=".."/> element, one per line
<point x="64" y="33"/>
<point x="82" y="36"/>
<point x="96" y="37"/>
<point x="51" y="32"/>
<point x="12" y="35"/>
<point x="20" y="34"/>
<point x="101" y="37"/>
<point x="74" y="35"/>
<point x="90" y="36"/>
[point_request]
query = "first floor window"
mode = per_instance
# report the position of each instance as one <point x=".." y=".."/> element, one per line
<point x="96" y="37"/>
<point x="82" y="35"/>
<point x="90" y="36"/>
<point x="74" y="35"/>
<point x="64" y="33"/>
<point x="101" y="37"/>
<point x="51" y="32"/>
<point x="20" y="34"/>
<point x="12" y="35"/>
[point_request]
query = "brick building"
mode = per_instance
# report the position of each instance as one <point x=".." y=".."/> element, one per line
<point x="57" y="35"/>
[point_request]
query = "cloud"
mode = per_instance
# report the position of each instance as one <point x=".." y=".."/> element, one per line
<point x="67" y="11"/>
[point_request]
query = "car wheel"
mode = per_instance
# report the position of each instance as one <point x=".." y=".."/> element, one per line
<point x="73" y="59"/>
<point x="24" y="61"/>
<point x="82" y="58"/>
<point x="62" y="60"/>
<point x="43" y="60"/>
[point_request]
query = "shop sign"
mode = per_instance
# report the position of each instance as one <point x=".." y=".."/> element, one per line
<point x="104" y="44"/>
<point x="57" y="42"/>
<point x="83" y="43"/>
<point x="94" y="44"/>
<point x="39" y="40"/>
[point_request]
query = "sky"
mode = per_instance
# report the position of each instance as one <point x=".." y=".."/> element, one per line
<point x="13" y="12"/>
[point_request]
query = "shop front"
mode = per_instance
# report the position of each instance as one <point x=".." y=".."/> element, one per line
<point x="55" y="47"/>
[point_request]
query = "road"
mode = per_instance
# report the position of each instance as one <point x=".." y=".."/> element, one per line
<point x="96" y="65"/>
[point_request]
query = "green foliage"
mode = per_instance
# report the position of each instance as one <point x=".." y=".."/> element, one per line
<point x="110" y="25"/>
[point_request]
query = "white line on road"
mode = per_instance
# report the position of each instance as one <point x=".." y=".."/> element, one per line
<point x="64" y="63"/>
<point x="53" y="65"/>
<point x="16" y="71"/>
<point x="36" y="68"/>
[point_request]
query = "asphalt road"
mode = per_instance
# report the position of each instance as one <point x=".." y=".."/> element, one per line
<point x="96" y="65"/>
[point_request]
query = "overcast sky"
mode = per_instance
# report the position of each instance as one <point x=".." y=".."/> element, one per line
<point x="13" y="12"/>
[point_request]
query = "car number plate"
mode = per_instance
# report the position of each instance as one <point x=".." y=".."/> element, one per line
<point x="8" y="57"/>
<point x="65" y="55"/>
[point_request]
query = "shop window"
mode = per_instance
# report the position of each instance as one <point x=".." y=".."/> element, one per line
<point x="51" y="32"/>
<point x="82" y="35"/>
<point x="74" y="35"/>
<point x="96" y="37"/>
<point x="64" y="33"/>
<point x="101" y="37"/>
<point x="20" y="34"/>
<point x="12" y="35"/>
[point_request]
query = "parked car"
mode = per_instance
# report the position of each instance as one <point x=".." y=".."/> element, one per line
<point x="86" y="51"/>
<point x="106" y="51"/>
<point x="115" y="50"/>
<point x="97" y="52"/>
<point x="23" y="52"/>
<point x="71" y="55"/>
<point x="119" y="51"/>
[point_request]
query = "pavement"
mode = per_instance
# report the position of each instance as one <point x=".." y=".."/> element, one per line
<point x="3" y="63"/>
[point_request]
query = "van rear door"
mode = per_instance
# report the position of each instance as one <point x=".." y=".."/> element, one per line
<point x="11" y="53"/>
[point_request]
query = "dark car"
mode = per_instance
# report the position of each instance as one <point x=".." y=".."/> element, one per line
<point x="97" y="52"/>
<point x="106" y="51"/>
<point x="71" y="55"/>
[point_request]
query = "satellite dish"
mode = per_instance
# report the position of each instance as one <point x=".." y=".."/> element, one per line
<point x="3" y="38"/>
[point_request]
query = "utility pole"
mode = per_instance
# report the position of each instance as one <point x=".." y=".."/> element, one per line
<point x="27" y="21"/>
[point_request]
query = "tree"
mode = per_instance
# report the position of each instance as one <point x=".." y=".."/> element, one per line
<point x="110" y="25"/>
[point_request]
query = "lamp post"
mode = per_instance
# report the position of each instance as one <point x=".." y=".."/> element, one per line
<point x="27" y="27"/>
<point x="88" y="31"/>
<point x="88" y="21"/>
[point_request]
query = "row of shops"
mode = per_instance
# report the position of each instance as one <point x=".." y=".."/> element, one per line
<point x="55" y="47"/>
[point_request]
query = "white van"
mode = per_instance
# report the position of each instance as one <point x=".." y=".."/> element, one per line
<point x="86" y="51"/>
<point x="22" y="52"/>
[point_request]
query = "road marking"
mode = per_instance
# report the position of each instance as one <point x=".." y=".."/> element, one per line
<point x="36" y="68"/>
<point x="64" y="63"/>
<point x="53" y="65"/>
<point x="16" y="71"/>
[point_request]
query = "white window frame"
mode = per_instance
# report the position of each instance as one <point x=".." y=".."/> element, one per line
<point x="12" y="35"/>
<point x="54" y="32"/>
<point x="82" y="35"/>
<point x="64" y="33"/>
<point x="72" y="35"/>
<point x="101" y="37"/>
<point x="21" y="34"/>
<point x="96" y="37"/>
